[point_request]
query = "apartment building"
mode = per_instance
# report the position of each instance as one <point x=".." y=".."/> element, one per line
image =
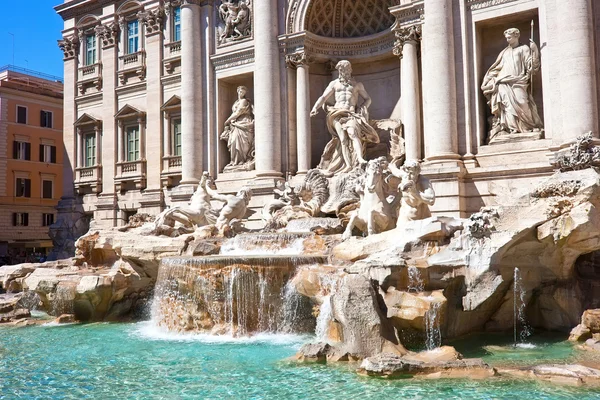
<point x="31" y="156"/>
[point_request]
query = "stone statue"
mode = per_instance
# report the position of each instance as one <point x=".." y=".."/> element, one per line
<point x="236" y="17"/>
<point x="347" y="121"/>
<point x="507" y="86"/>
<point x="375" y="214"/>
<point x="416" y="191"/>
<point x="199" y="212"/>
<point x="235" y="205"/>
<point x="239" y="133"/>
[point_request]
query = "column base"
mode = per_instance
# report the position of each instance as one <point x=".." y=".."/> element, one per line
<point x="183" y="192"/>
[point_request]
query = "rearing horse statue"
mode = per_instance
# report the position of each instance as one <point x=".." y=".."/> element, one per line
<point x="375" y="213"/>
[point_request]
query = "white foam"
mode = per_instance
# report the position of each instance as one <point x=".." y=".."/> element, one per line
<point x="150" y="331"/>
<point x="526" y="345"/>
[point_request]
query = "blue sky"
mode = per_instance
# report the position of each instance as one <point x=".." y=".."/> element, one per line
<point x="36" y="27"/>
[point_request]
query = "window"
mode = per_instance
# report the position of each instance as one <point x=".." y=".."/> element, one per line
<point x="47" y="219"/>
<point x="90" y="49"/>
<point x="20" y="219"/>
<point x="21" y="150"/>
<point x="23" y="187"/>
<point x="47" y="187"/>
<point x="176" y="24"/>
<point x="21" y="115"/>
<point x="133" y="143"/>
<point x="176" y="137"/>
<point x="133" y="36"/>
<point x="89" y="150"/>
<point x="46" y="119"/>
<point x="47" y="153"/>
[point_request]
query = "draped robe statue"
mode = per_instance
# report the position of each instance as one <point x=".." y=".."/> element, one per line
<point x="239" y="133"/>
<point x="506" y="86"/>
<point x="347" y="122"/>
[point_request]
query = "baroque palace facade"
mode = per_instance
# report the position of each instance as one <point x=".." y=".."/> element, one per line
<point x="149" y="87"/>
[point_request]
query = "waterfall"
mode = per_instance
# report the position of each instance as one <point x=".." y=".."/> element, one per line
<point x="238" y="296"/>
<point x="63" y="299"/>
<point x="432" y="326"/>
<point x="325" y="315"/>
<point x="415" y="281"/>
<point x="265" y="243"/>
<point x="521" y="329"/>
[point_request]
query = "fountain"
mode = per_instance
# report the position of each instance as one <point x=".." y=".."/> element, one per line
<point x="521" y="328"/>
<point x="415" y="281"/>
<point x="432" y="326"/>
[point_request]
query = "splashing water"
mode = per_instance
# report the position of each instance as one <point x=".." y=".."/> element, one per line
<point x="521" y="329"/>
<point x="432" y="326"/>
<point x="415" y="281"/>
<point x="325" y="315"/>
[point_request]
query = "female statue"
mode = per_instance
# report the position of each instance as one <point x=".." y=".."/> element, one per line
<point x="239" y="133"/>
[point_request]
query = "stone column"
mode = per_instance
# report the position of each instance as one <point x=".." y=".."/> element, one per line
<point x="151" y="135"/>
<point x="577" y="69"/>
<point x="406" y="48"/>
<point x="208" y="32"/>
<point x="292" y="121"/>
<point x="267" y="97"/>
<point x="303" y="107"/>
<point x="440" y="115"/>
<point x="192" y="134"/>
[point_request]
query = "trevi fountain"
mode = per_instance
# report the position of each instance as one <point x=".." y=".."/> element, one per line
<point x="362" y="275"/>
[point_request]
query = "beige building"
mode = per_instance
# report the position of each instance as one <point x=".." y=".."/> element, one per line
<point x="31" y="159"/>
<point x="149" y="85"/>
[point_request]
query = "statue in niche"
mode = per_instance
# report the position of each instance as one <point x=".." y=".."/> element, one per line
<point x="416" y="191"/>
<point x="347" y="121"/>
<point x="239" y="133"/>
<point x="507" y="86"/>
<point x="236" y="17"/>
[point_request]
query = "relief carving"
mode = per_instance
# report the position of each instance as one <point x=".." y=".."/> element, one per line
<point x="237" y="19"/>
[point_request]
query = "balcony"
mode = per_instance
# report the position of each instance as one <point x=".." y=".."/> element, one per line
<point x="131" y="172"/>
<point x="172" y="57"/>
<point x="171" y="170"/>
<point x="89" y="76"/>
<point x="88" y="177"/>
<point x="133" y="64"/>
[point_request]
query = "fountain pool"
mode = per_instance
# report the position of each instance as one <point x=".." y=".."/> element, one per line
<point x="137" y="361"/>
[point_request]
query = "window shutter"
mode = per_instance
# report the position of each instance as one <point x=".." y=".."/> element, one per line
<point x="25" y="219"/>
<point x="28" y="151"/>
<point x="14" y="219"/>
<point x="15" y="149"/>
<point x="53" y="154"/>
<point x="42" y="118"/>
<point x="27" y="187"/>
<point x="41" y="153"/>
<point x="50" y="120"/>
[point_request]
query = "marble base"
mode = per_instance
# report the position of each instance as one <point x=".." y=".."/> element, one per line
<point x="505" y="137"/>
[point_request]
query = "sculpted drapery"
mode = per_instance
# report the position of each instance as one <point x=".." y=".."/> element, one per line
<point x="506" y="85"/>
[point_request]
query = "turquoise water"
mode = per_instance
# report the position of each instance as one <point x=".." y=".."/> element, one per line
<point x="134" y="361"/>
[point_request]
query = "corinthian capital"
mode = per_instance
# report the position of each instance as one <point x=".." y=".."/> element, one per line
<point x="107" y="34"/>
<point x="297" y="59"/>
<point x="69" y="46"/>
<point x="405" y="35"/>
<point x="152" y="20"/>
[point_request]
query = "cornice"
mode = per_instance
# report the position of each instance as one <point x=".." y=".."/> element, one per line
<point x="481" y="4"/>
<point x="74" y="8"/>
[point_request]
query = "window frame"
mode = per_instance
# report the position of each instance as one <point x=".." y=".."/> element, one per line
<point x="129" y="36"/>
<point x="137" y="140"/>
<point x="17" y="114"/>
<point x="174" y="136"/>
<point x="20" y="219"/>
<point x="21" y="150"/>
<point x="51" y="189"/>
<point x="44" y="123"/>
<point x="89" y="161"/>
<point x="45" y="222"/>
<point x="47" y="153"/>
<point x="25" y="186"/>
<point x="86" y="60"/>
<point x="176" y="23"/>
